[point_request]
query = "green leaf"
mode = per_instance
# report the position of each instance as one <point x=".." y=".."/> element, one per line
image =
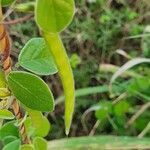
<point x="25" y="7"/>
<point x="36" y="57"/>
<point x="9" y="129"/>
<point x="100" y="143"/>
<point x="2" y="80"/>
<point x="141" y="84"/>
<point x="15" y="145"/>
<point x="75" y="60"/>
<point x="6" y="2"/>
<point x="6" y="114"/>
<point x="29" y="127"/>
<point x="4" y="92"/>
<point x="9" y="139"/>
<point x="140" y="87"/>
<point x="38" y="120"/>
<point x="105" y="108"/>
<point x="146" y="42"/>
<point x="27" y="147"/>
<point x="54" y="15"/>
<point x="40" y="143"/>
<point x="121" y="107"/>
<point x="31" y="91"/>
<point x="60" y="56"/>
<point x="140" y="123"/>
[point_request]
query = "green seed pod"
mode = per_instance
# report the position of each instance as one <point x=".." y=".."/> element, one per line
<point x="57" y="49"/>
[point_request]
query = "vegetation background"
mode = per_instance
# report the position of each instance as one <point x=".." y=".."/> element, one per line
<point x="103" y="36"/>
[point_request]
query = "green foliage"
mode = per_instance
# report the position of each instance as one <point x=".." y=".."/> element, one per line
<point x="6" y="114"/>
<point x="2" y="80"/>
<point x="136" y="29"/>
<point x="86" y="91"/>
<point x="121" y="108"/>
<point x="8" y="129"/>
<point x="36" y="57"/>
<point x="27" y="147"/>
<point x="40" y="143"/>
<point x="55" y="44"/>
<point x="75" y="60"/>
<point x="146" y="42"/>
<point x="140" y="85"/>
<point x="4" y="92"/>
<point x="25" y="7"/>
<point x="38" y="120"/>
<point x="29" y="127"/>
<point x="15" y="145"/>
<point x="105" y="108"/>
<point x="31" y="91"/>
<point x="100" y="142"/>
<point x="127" y="66"/>
<point x="103" y="34"/>
<point x="6" y="2"/>
<point x="9" y="139"/>
<point x="53" y="16"/>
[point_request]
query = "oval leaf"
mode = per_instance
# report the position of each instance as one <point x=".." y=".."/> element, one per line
<point x="9" y="129"/>
<point x="40" y="143"/>
<point x="104" y="110"/>
<point x="15" y="145"/>
<point x="36" y="57"/>
<point x="9" y="139"/>
<point x="121" y="108"/>
<point x="54" y="15"/>
<point x="27" y="147"/>
<point x="38" y="120"/>
<point x="6" y="114"/>
<point x="30" y="130"/>
<point x="31" y="91"/>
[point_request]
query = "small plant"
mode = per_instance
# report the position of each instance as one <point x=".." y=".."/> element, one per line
<point x="25" y="93"/>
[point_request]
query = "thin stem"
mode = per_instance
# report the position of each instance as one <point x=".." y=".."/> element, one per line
<point x="137" y="114"/>
<point x="19" y="20"/>
<point x="92" y="132"/>
<point x="145" y="131"/>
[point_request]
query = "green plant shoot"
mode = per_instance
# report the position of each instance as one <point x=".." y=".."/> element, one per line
<point x="52" y="17"/>
<point x="65" y="72"/>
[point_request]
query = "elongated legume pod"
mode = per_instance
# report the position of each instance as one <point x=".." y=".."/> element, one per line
<point x="61" y="59"/>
